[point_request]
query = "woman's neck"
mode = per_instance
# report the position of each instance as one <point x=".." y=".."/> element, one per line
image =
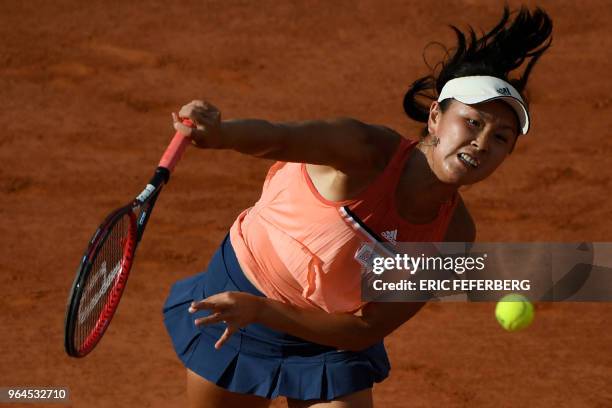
<point x="420" y="192"/>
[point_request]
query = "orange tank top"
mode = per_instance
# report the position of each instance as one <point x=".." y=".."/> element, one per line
<point x="300" y="248"/>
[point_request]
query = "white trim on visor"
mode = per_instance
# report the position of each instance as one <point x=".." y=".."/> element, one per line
<point x="476" y="89"/>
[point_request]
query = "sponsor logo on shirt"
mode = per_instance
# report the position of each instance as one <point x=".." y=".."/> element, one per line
<point x="390" y="236"/>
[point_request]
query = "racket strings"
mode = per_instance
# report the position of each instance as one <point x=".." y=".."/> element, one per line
<point x="106" y="268"/>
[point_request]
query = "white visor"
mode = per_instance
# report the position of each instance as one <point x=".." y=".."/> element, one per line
<point x="476" y="89"/>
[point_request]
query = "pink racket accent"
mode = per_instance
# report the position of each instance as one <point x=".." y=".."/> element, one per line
<point x="175" y="150"/>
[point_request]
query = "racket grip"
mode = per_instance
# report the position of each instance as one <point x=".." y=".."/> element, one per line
<point x="175" y="149"/>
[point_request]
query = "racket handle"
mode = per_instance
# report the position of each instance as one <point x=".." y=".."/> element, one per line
<point x="175" y="149"/>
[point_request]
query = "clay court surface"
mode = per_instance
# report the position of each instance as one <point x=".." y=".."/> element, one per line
<point x="86" y="91"/>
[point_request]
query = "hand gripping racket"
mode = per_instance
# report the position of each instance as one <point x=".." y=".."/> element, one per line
<point x="105" y="266"/>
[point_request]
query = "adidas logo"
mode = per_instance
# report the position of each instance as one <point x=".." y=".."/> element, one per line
<point x="503" y="91"/>
<point x="390" y="236"/>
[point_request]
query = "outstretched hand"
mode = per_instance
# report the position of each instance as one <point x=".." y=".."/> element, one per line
<point x="235" y="309"/>
<point x="206" y="119"/>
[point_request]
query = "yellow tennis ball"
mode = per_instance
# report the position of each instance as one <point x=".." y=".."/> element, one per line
<point x="514" y="312"/>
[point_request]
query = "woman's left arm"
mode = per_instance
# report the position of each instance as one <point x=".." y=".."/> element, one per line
<point x="341" y="330"/>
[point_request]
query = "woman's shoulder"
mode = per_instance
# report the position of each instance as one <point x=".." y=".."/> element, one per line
<point x="377" y="145"/>
<point x="383" y="143"/>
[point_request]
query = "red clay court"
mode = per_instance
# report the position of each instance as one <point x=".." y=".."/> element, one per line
<point x="86" y="94"/>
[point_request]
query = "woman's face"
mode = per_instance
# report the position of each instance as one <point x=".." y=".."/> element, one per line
<point x="474" y="140"/>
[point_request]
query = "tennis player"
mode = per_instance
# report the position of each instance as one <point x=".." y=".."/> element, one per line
<point x="278" y="311"/>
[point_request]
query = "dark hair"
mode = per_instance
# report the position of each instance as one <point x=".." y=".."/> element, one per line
<point x="496" y="53"/>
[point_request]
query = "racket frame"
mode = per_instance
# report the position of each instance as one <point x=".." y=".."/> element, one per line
<point x="145" y="202"/>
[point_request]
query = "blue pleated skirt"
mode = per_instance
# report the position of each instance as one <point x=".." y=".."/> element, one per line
<point x="258" y="360"/>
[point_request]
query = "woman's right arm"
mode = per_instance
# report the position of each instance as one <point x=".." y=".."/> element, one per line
<point x="341" y="143"/>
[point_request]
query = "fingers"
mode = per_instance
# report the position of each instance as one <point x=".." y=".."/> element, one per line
<point x="217" y="318"/>
<point x="186" y="110"/>
<point x="217" y="303"/>
<point x="221" y="305"/>
<point x="181" y="127"/>
<point x="199" y="110"/>
<point x="205" y="122"/>
<point x="211" y="319"/>
<point x="225" y="337"/>
<point x="205" y="304"/>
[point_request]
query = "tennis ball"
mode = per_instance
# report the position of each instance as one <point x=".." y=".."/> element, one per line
<point x="514" y="312"/>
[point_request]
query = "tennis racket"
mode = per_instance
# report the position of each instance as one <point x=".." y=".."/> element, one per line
<point x="104" y="269"/>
